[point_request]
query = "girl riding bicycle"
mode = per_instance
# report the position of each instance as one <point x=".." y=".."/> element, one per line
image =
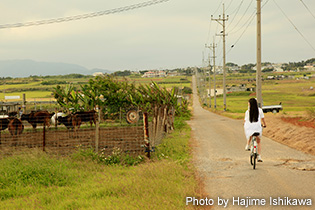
<point x="254" y="119"/>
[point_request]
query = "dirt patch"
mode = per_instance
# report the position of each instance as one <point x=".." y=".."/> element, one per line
<point x="291" y="132"/>
<point x="299" y="121"/>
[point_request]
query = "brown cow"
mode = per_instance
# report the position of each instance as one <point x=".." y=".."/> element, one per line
<point x="38" y="117"/>
<point x="85" y="116"/>
<point x="15" y="126"/>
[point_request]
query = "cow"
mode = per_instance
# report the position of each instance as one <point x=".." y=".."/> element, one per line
<point x="68" y="121"/>
<point x="85" y="116"/>
<point x="15" y="126"/>
<point x="38" y="117"/>
<point x="54" y="118"/>
<point x="4" y="122"/>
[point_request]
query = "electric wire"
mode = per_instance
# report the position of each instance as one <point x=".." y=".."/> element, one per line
<point x="241" y="17"/>
<point x="294" y="26"/>
<point x="218" y="8"/>
<point x="307" y="8"/>
<point x="229" y="5"/>
<point x="83" y="16"/>
<point x="251" y="18"/>
<point x="237" y="10"/>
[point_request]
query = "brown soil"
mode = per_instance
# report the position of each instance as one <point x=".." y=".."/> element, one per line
<point x="299" y="121"/>
<point x="292" y="132"/>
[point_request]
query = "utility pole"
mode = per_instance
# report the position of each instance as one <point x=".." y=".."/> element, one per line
<point x="213" y="46"/>
<point x="258" y="67"/>
<point x="223" y="19"/>
<point x="209" y="65"/>
<point x="204" y="86"/>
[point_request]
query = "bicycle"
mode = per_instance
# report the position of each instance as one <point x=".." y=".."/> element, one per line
<point x="254" y="150"/>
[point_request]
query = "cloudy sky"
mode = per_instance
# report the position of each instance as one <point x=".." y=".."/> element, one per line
<point x="166" y="35"/>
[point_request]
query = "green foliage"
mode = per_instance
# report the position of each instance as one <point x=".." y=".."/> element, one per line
<point x="187" y="90"/>
<point x="53" y="82"/>
<point x="67" y="97"/>
<point x="117" y="157"/>
<point x="122" y="73"/>
<point x="175" y="146"/>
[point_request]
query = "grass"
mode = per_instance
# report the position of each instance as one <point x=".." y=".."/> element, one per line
<point x="35" y="180"/>
<point x="295" y="96"/>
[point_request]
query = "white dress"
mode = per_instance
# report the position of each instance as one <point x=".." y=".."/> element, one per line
<point x="254" y="127"/>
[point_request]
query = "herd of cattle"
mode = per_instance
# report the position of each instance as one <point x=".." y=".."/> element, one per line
<point x="71" y="121"/>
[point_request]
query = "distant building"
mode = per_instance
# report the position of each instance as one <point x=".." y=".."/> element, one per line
<point x="310" y="67"/>
<point x="150" y="74"/>
<point x="172" y="74"/>
<point x="98" y="74"/>
<point x="277" y="67"/>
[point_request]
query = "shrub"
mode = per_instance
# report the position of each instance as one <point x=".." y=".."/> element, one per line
<point x="117" y="157"/>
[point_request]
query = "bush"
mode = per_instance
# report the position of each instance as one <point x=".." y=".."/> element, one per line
<point x="118" y="157"/>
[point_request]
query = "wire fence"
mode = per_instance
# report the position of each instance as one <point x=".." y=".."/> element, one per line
<point x="87" y="131"/>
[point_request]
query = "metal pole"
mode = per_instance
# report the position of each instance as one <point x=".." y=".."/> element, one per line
<point x="258" y="72"/>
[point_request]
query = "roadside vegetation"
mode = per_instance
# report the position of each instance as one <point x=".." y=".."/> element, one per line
<point x="84" y="180"/>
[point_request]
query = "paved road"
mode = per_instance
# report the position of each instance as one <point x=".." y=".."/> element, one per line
<point x="220" y="158"/>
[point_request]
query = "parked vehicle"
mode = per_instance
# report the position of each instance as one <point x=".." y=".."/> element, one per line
<point x="272" y="108"/>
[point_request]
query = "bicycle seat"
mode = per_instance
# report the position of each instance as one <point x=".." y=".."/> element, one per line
<point x="256" y="134"/>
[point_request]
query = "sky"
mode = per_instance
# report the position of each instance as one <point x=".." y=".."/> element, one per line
<point x="163" y="36"/>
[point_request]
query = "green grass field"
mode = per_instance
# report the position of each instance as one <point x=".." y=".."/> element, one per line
<point x="295" y="95"/>
<point x="35" y="180"/>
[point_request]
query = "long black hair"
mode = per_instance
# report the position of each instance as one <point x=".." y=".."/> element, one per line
<point x="253" y="110"/>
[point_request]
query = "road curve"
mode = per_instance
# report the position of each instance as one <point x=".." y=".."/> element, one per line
<point x="222" y="162"/>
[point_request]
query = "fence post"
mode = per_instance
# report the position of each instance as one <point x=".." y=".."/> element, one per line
<point x="44" y="137"/>
<point x="146" y="133"/>
<point x="120" y="115"/>
<point x="56" y="118"/>
<point x="97" y="129"/>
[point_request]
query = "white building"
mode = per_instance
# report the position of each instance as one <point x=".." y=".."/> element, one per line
<point x="150" y="74"/>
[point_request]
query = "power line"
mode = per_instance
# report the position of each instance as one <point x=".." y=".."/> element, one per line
<point x="307" y="9"/>
<point x="294" y="26"/>
<point x="251" y="18"/>
<point x="83" y="16"/>
<point x="241" y="17"/>
<point x="229" y="5"/>
<point x="237" y="10"/>
<point x="218" y="8"/>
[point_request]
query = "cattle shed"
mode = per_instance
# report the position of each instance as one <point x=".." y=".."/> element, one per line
<point x="6" y="107"/>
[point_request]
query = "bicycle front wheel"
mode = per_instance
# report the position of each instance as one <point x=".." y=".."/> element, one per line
<point x="254" y="160"/>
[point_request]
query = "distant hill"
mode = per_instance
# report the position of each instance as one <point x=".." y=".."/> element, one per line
<point x="26" y="68"/>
